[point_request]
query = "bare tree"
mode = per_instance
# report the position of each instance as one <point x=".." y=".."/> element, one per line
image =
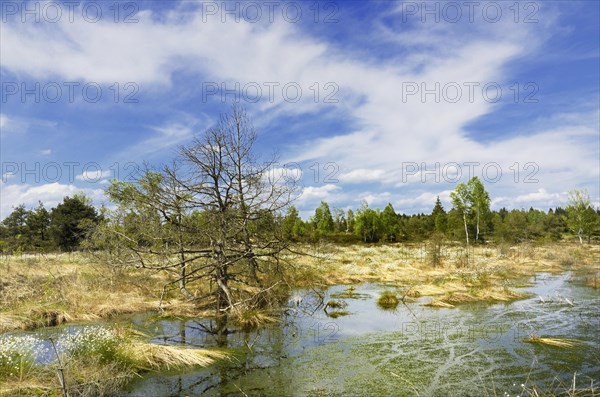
<point x="211" y="218"/>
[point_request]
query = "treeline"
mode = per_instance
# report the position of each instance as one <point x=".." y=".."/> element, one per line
<point x="62" y="228"/>
<point x="470" y="218"/>
<point x="371" y="225"/>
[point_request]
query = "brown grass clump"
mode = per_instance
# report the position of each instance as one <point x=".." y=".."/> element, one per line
<point x="388" y="300"/>
<point x="252" y="319"/>
<point x="590" y="276"/>
<point x="439" y="303"/>
<point x="556" y="342"/>
<point x="338" y="313"/>
<point x="350" y="293"/>
<point x="483" y="295"/>
<point x="12" y="321"/>
<point x="166" y="356"/>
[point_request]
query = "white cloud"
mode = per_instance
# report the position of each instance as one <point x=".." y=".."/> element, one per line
<point x="390" y="129"/>
<point x="312" y="194"/>
<point x="423" y="202"/>
<point x="375" y="199"/>
<point x="362" y="175"/>
<point x="94" y="175"/>
<point x="19" y="125"/>
<point x="540" y="199"/>
<point x="46" y="152"/>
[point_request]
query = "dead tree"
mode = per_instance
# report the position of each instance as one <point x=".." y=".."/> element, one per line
<point x="211" y="218"/>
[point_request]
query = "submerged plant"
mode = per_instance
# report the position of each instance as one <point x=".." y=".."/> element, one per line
<point x="335" y="304"/>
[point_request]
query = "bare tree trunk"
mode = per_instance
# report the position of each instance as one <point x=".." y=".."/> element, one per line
<point x="477" y="232"/>
<point x="182" y="279"/>
<point x="182" y="272"/>
<point x="466" y="230"/>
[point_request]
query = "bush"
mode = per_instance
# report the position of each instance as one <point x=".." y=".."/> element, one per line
<point x="434" y="249"/>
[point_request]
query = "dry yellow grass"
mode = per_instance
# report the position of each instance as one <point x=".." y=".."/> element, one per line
<point x="439" y="303"/>
<point x="26" y="388"/>
<point x="41" y="290"/>
<point x="252" y="319"/>
<point x="483" y="277"/>
<point x="166" y="356"/>
<point x="47" y="290"/>
<point x="556" y="342"/>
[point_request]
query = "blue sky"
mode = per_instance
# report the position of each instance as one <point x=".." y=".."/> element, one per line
<point x="370" y="94"/>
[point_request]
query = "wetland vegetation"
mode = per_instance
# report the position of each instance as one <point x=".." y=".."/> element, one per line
<point x="202" y="278"/>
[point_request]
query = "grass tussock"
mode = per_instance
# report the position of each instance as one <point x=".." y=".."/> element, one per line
<point x="589" y="276"/>
<point x="388" y="300"/>
<point x="484" y="295"/>
<point x="338" y="313"/>
<point x="563" y="343"/>
<point x="166" y="356"/>
<point x="439" y="303"/>
<point x="252" y="319"/>
<point x="349" y="293"/>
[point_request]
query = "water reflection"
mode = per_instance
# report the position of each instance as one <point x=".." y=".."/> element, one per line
<point x="411" y="350"/>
